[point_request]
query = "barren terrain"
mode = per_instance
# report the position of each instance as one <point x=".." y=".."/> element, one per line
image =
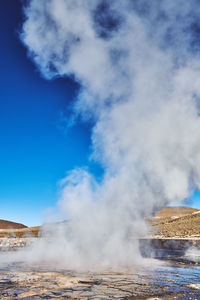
<point x="177" y="222"/>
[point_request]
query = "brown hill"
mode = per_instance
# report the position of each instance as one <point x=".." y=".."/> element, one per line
<point x="178" y="221"/>
<point x="173" y="211"/>
<point x="10" y="225"/>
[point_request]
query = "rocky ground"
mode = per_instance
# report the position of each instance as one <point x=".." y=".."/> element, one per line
<point x="151" y="282"/>
<point x="63" y="285"/>
<point x="12" y="244"/>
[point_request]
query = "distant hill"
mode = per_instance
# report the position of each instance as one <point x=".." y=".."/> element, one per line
<point x="175" y="211"/>
<point x="179" y="221"/>
<point x="4" y="224"/>
<point x="171" y="222"/>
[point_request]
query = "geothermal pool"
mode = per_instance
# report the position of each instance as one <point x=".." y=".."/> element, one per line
<point x="172" y="273"/>
<point x="166" y="279"/>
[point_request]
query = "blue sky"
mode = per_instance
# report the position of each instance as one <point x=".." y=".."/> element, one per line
<point x="36" y="150"/>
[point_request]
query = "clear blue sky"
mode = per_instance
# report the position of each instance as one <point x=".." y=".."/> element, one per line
<point x="35" y="149"/>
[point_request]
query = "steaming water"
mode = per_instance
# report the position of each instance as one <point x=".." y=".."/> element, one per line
<point x="138" y="67"/>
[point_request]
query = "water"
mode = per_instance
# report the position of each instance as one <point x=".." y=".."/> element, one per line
<point x="178" y="278"/>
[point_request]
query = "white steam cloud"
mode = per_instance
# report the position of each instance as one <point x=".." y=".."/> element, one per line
<point x="138" y="66"/>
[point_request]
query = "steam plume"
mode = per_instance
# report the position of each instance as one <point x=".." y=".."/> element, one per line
<point x="138" y="66"/>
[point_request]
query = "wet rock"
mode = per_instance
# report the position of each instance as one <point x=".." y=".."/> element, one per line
<point x="146" y="282"/>
<point x="4" y="281"/>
